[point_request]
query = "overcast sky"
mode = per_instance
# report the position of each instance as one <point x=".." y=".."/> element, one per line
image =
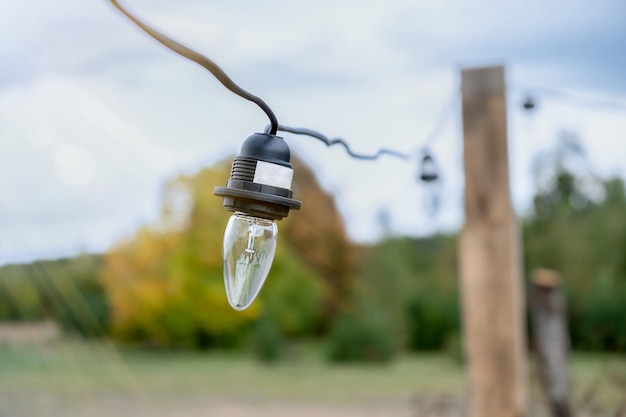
<point x="95" y="116"/>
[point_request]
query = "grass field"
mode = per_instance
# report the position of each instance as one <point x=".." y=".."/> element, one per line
<point x="74" y="378"/>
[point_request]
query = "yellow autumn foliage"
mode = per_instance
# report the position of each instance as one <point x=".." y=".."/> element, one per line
<point x="165" y="285"/>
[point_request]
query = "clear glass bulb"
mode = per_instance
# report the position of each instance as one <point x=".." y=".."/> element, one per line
<point x="248" y="252"/>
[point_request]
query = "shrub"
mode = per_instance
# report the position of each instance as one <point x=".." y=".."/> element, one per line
<point x="399" y="270"/>
<point x="20" y="299"/>
<point x="293" y="294"/>
<point x="433" y="320"/>
<point x="80" y="306"/>
<point x="597" y="319"/>
<point x="355" y="339"/>
<point x="66" y="290"/>
<point x="268" y="342"/>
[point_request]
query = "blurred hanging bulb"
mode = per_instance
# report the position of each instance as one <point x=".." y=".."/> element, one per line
<point x="248" y="252"/>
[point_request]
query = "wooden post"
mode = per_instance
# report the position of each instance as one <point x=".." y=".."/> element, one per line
<point x="490" y="267"/>
<point x="549" y="316"/>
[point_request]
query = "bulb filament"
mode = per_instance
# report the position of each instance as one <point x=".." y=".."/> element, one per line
<point x="251" y="233"/>
<point x="245" y="267"/>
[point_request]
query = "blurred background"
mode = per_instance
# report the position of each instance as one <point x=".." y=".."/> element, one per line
<point x="111" y="291"/>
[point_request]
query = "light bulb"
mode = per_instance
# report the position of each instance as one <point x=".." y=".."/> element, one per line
<point x="259" y="193"/>
<point x="248" y="252"/>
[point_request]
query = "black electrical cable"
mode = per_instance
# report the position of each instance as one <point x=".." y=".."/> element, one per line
<point x="338" y="141"/>
<point x="214" y="69"/>
<point x="203" y="61"/>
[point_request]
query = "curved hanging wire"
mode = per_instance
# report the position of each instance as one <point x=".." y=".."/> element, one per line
<point x="338" y="141"/>
<point x="218" y="73"/>
<point x="203" y="61"/>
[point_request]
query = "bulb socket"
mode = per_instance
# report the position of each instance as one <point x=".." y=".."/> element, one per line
<point x="260" y="179"/>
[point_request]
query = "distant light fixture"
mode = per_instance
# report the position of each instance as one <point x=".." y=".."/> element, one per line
<point x="430" y="177"/>
<point x="259" y="193"/>
<point x="428" y="169"/>
<point x="529" y="103"/>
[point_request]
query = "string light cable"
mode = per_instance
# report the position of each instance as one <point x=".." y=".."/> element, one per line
<point x="203" y="61"/>
<point x="339" y="141"/>
<point x="444" y="117"/>
<point x="227" y="82"/>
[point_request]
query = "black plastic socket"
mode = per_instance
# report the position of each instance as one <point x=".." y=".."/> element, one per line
<point x="242" y="194"/>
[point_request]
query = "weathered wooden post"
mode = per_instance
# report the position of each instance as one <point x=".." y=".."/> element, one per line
<point x="490" y="267"/>
<point x="549" y="318"/>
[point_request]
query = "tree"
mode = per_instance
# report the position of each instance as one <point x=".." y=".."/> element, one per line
<point x="165" y="283"/>
<point x="318" y="234"/>
<point x="579" y="229"/>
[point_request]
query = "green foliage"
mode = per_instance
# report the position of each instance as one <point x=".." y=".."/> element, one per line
<point x="268" y="343"/>
<point x="21" y="299"/>
<point x="598" y="317"/>
<point x="413" y="284"/>
<point x="579" y="229"/>
<point x="360" y="339"/>
<point x="292" y="296"/>
<point x="433" y="321"/>
<point x="66" y="290"/>
<point x="80" y="305"/>
<point x="318" y="235"/>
